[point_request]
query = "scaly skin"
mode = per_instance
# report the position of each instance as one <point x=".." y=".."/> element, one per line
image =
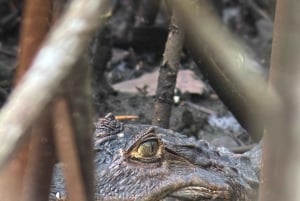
<point x="139" y="162"/>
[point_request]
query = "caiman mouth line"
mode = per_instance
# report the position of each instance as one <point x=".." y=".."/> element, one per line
<point x="197" y="193"/>
<point x="192" y="193"/>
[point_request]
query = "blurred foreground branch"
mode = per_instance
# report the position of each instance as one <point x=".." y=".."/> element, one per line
<point x="280" y="177"/>
<point x="31" y="168"/>
<point x="67" y="41"/>
<point x="232" y="71"/>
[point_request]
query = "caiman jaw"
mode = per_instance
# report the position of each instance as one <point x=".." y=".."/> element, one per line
<point x="196" y="193"/>
<point x="192" y="188"/>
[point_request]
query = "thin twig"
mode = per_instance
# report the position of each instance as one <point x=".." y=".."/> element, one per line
<point x="7" y="52"/>
<point x="241" y="149"/>
<point x="259" y="11"/>
<point x="126" y="117"/>
<point x="199" y="107"/>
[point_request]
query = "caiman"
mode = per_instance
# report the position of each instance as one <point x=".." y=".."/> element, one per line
<point x="147" y="163"/>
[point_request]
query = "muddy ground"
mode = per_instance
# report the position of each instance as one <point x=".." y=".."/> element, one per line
<point x="202" y="115"/>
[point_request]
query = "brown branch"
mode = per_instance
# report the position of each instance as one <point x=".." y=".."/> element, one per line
<point x="56" y="60"/>
<point x="42" y="158"/>
<point x="35" y="26"/>
<point x="67" y="151"/>
<point x="42" y="153"/>
<point x="147" y="12"/>
<point x="167" y="76"/>
<point x="79" y="101"/>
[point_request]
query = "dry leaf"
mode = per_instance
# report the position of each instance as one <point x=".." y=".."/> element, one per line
<point x="186" y="81"/>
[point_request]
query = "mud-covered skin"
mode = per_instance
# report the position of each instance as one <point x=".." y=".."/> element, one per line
<point x="139" y="162"/>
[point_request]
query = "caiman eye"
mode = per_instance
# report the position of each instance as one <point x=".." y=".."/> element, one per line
<point x="148" y="148"/>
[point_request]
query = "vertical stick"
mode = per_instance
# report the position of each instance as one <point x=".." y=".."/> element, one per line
<point x="79" y="102"/>
<point x="67" y="151"/>
<point x="167" y="75"/>
<point x="280" y="177"/>
<point x="35" y="25"/>
<point x="41" y="160"/>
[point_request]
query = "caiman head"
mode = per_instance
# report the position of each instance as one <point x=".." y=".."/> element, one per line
<point x="135" y="162"/>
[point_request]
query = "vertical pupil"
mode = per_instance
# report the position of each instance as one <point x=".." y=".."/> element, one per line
<point x="148" y="148"/>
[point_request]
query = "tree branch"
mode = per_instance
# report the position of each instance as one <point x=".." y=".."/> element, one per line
<point x="167" y="75"/>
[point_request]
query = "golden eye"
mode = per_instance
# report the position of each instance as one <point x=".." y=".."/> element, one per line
<point x="148" y="148"/>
